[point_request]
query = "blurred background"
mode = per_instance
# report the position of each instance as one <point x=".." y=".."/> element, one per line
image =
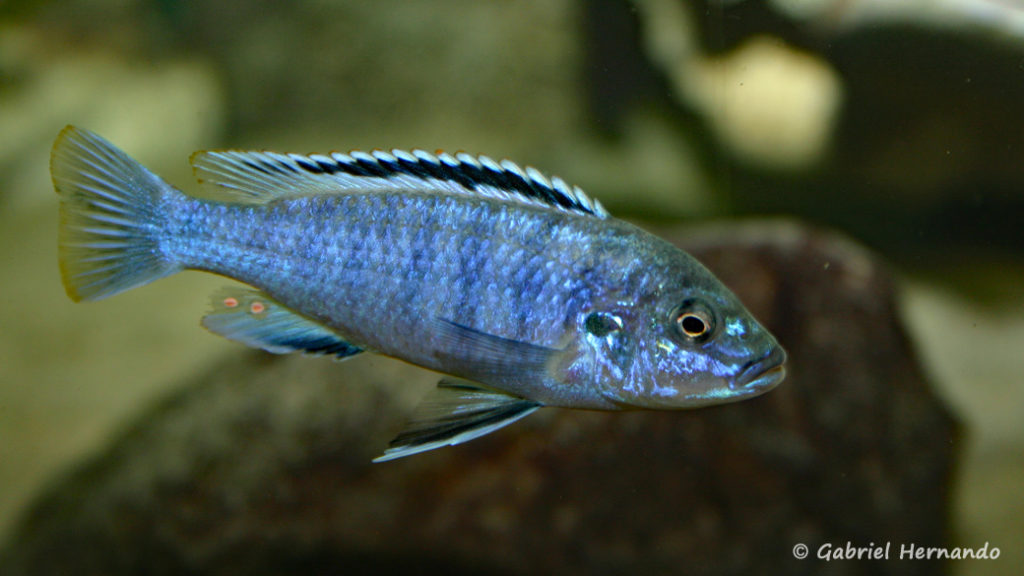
<point x="900" y="124"/>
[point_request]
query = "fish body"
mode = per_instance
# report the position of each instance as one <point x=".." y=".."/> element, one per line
<point x="522" y="288"/>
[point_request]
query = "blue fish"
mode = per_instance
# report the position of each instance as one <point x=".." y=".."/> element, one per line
<point x="521" y="289"/>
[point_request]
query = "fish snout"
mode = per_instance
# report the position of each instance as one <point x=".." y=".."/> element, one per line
<point x="762" y="374"/>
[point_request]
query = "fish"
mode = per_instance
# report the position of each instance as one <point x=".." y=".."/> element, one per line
<point x="521" y="290"/>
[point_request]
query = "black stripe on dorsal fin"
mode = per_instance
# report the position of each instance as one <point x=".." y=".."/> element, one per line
<point x="264" y="176"/>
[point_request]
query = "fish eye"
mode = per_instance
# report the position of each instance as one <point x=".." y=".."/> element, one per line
<point x="694" y="321"/>
<point x="601" y="324"/>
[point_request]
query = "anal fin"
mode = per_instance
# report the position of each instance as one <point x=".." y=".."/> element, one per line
<point x="456" y="412"/>
<point x="248" y="316"/>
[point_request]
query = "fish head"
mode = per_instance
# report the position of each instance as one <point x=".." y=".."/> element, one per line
<point x="681" y="348"/>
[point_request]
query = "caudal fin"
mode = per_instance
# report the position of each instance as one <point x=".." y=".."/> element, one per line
<point x="110" y="217"/>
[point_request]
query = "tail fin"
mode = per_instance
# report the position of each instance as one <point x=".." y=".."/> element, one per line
<point x="110" y="217"/>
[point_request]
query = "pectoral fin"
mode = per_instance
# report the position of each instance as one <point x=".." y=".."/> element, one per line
<point x="252" y="318"/>
<point x="484" y="356"/>
<point x="456" y="412"/>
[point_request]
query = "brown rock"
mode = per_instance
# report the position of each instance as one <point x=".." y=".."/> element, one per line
<point x="262" y="466"/>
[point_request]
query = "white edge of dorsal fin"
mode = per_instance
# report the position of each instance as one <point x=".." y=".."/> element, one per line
<point x="258" y="177"/>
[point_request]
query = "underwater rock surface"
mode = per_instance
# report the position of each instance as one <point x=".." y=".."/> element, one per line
<point x="262" y="465"/>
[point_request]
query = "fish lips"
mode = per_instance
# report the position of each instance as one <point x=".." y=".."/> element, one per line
<point x="762" y="375"/>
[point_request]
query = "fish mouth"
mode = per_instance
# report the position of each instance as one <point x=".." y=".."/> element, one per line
<point x="764" y="374"/>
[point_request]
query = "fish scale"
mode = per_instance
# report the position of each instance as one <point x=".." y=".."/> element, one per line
<point x="272" y="256"/>
<point x="520" y="288"/>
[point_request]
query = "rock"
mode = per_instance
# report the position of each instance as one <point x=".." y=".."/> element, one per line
<point x="887" y="122"/>
<point x="262" y="465"/>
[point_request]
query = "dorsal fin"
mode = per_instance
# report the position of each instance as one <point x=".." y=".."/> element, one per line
<point x="257" y="177"/>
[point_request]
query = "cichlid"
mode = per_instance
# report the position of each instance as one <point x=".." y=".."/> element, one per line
<point x="523" y="290"/>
